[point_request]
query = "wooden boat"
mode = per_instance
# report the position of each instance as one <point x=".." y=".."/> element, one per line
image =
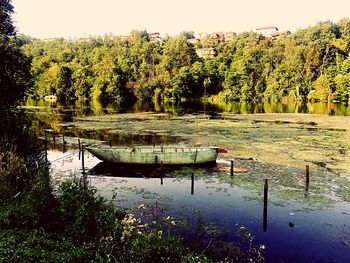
<point x="155" y="154"/>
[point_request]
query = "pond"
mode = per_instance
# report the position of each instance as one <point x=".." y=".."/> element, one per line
<point x="303" y="222"/>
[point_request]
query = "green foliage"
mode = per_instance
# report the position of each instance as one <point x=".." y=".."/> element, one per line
<point x="14" y="72"/>
<point x="82" y="215"/>
<point x="6" y="26"/>
<point x="248" y="68"/>
<point x="322" y="88"/>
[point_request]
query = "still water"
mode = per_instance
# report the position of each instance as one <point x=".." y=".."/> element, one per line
<point x="303" y="222"/>
<point x="212" y="206"/>
<point x="97" y="108"/>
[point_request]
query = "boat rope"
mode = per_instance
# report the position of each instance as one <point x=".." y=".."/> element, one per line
<point x="44" y="164"/>
<point x="61" y="158"/>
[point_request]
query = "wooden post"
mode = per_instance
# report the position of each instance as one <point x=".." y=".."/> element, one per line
<point x="231" y="170"/>
<point x="307" y="174"/>
<point x="307" y="181"/>
<point x="192" y="184"/>
<point x="84" y="177"/>
<point x="63" y="143"/>
<point x="110" y="143"/>
<point x="156" y="159"/>
<point x="79" y="147"/>
<point x="161" y="180"/>
<point x="54" y="139"/>
<point x="82" y="159"/>
<point x="266" y="187"/>
<point x="45" y="150"/>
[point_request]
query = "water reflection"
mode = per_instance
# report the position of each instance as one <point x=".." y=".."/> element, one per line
<point x="211" y="204"/>
<point x="97" y="108"/>
<point x="148" y="171"/>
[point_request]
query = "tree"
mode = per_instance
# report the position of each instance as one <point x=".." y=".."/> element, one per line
<point x="14" y="66"/>
<point x="177" y="53"/>
<point x="6" y="25"/>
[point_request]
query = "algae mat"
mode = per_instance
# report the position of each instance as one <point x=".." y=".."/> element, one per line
<point x="277" y="139"/>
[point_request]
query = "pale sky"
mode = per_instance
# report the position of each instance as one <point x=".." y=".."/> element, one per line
<point x="79" y="18"/>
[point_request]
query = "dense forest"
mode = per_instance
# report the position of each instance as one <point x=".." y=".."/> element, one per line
<point x="309" y="64"/>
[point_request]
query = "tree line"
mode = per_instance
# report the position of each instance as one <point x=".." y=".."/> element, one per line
<point x="310" y="64"/>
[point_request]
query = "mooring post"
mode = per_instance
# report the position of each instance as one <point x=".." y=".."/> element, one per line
<point x="110" y="143"/>
<point x="307" y="181"/>
<point x="231" y="170"/>
<point x="266" y="187"/>
<point x="79" y="149"/>
<point x="45" y="150"/>
<point x="161" y="180"/>
<point x="82" y="159"/>
<point x="192" y="184"/>
<point x="63" y="144"/>
<point x="307" y="174"/>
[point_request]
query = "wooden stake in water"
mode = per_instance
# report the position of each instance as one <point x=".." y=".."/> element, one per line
<point x="307" y="181"/>
<point x="266" y="187"/>
<point x="79" y="147"/>
<point x="192" y="184"/>
<point x="110" y="143"/>
<point x="45" y="150"/>
<point x="82" y="159"/>
<point x="231" y="170"/>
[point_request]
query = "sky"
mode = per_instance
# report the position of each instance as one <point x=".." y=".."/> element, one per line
<point x="83" y="18"/>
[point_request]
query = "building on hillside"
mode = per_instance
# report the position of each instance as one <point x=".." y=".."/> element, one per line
<point x="193" y="41"/>
<point x="229" y="36"/>
<point x="280" y="33"/>
<point x="50" y="39"/>
<point x="267" y="31"/>
<point x="203" y="36"/>
<point x="217" y="37"/>
<point x="206" y="53"/>
<point x="155" y="37"/>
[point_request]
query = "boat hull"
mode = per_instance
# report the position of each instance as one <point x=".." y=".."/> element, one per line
<point x="155" y="155"/>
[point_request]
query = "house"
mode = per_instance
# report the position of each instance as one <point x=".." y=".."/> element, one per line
<point x="206" y="53"/>
<point x="155" y="37"/>
<point x="229" y="36"/>
<point x="217" y="37"/>
<point x="267" y="31"/>
<point x="203" y="36"/>
<point x="280" y="33"/>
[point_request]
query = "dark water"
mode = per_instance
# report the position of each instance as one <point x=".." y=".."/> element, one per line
<point x="304" y="223"/>
<point x="212" y="207"/>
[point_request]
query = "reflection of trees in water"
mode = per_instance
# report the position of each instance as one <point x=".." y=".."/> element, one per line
<point x="51" y="119"/>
